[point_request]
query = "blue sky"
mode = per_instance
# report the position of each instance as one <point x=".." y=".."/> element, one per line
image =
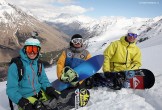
<point x="127" y="8"/>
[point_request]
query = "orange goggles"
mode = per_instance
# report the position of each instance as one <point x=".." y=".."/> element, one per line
<point x="32" y="49"/>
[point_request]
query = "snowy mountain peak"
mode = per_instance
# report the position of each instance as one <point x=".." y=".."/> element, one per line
<point x="17" y="25"/>
<point x="65" y="15"/>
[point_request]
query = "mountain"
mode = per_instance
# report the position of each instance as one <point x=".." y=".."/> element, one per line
<point x="90" y="27"/>
<point x="154" y="31"/>
<point x="107" y="28"/>
<point x="16" y="26"/>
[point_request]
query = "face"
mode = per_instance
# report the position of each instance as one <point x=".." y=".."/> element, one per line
<point x="32" y="55"/>
<point x="78" y="45"/>
<point x="32" y="51"/>
<point x="131" y="37"/>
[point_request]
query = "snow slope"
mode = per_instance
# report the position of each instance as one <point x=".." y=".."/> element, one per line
<point x="125" y="99"/>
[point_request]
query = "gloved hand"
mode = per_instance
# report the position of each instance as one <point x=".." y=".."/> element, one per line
<point x="52" y="92"/>
<point x="25" y="104"/>
<point x="69" y="75"/>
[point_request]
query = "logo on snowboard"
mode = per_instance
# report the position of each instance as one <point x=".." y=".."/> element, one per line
<point x="136" y="82"/>
<point x="81" y="98"/>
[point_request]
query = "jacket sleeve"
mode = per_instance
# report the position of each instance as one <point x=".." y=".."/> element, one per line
<point x="61" y="64"/>
<point x="88" y="56"/>
<point x="108" y="53"/>
<point x="12" y="84"/>
<point x="136" y="61"/>
<point x="43" y="80"/>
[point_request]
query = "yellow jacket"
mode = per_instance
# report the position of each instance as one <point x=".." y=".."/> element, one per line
<point x="71" y="59"/>
<point x="121" y="55"/>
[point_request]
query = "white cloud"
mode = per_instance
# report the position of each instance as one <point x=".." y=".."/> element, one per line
<point x="48" y="8"/>
<point x="65" y="1"/>
<point x="73" y="9"/>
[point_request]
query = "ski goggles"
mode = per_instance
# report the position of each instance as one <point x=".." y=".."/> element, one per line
<point x="77" y="41"/>
<point x="32" y="49"/>
<point x="132" y="35"/>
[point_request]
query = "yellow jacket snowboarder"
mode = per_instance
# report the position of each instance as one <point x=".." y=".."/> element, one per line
<point x="123" y="54"/>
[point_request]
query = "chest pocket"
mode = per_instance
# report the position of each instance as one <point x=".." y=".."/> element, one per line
<point x="74" y="59"/>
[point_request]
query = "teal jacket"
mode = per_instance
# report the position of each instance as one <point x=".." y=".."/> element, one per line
<point x="30" y="84"/>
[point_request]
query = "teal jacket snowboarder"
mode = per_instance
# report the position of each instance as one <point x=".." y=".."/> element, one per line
<point x="30" y="83"/>
<point x="34" y="87"/>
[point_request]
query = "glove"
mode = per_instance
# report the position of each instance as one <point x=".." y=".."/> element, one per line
<point x="69" y="75"/>
<point x="25" y="104"/>
<point x="38" y="105"/>
<point x="52" y="92"/>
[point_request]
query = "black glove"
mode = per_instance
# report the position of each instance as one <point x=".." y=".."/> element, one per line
<point x="52" y="92"/>
<point x="25" y="104"/>
<point x="38" y="105"/>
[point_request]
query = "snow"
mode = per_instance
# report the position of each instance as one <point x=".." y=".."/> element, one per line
<point x="125" y="99"/>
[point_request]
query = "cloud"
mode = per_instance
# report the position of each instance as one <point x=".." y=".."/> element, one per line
<point x="73" y="9"/>
<point x="65" y="1"/>
<point x="50" y="8"/>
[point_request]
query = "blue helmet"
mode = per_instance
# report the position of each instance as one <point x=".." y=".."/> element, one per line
<point x="32" y="41"/>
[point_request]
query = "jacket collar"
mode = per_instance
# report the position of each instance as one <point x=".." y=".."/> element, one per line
<point x="25" y="58"/>
<point x="77" y="50"/>
<point x="126" y="43"/>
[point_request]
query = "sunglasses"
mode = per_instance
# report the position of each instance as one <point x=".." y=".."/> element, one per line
<point x="77" y="40"/>
<point x="132" y="35"/>
<point x="32" y="49"/>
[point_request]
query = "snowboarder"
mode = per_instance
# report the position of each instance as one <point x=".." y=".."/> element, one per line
<point x="32" y="89"/>
<point x="122" y="55"/>
<point x="71" y="58"/>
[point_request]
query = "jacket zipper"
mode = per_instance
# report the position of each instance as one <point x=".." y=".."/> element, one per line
<point x="33" y="79"/>
<point x="127" y="56"/>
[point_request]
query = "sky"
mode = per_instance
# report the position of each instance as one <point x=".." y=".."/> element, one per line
<point x="93" y="8"/>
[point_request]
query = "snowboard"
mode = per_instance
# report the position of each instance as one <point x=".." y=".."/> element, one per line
<point x="143" y="79"/>
<point x="84" y="70"/>
<point x="134" y="79"/>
